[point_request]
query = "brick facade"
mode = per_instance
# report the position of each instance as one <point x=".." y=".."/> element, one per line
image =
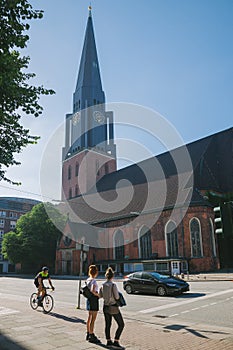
<point x="83" y="172"/>
<point x="207" y="261"/>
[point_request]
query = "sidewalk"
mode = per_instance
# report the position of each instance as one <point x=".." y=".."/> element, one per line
<point x="64" y="328"/>
<point x="208" y="276"/>
<point x="21" y="328"/>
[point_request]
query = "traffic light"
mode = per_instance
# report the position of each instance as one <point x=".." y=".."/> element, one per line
<point x="218" y="220"/>
<point x="227" y="218"/>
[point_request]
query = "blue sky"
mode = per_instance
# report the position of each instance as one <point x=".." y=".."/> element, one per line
<point x="173" y="56"/>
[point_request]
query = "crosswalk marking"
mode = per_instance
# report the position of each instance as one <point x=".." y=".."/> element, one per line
<point x="181" y="303"/>
<point x="6" y="311"/>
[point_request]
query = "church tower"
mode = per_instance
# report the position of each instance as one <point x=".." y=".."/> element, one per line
<point x="89" y="152"/>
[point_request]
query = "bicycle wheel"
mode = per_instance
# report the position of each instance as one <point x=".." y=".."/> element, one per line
<point x="33" y="301"/>
<point x="48" y="303"/>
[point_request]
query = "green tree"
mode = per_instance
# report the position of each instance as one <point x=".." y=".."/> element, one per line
<point x="34" y="241"/>
<point x="17" y="97"/>
<point x="11" y="247"/>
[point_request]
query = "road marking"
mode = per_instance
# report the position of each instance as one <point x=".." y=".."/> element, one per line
<point x="6" y="311"/>
<point x="181" y="303"/>
<point x="198" y="308"/>
<point x="14" y="297"/>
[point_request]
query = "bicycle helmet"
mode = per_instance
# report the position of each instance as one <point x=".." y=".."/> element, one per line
<point x="44" y="268"/>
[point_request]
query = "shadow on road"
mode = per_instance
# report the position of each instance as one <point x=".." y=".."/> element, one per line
<point x="8" y="344"/>
<point x="190" y="295"/>
<point x="180" y="296"/>
<point x="67" y="318"/>
<point x="178" y="327"/>
<point x="102" y="345"/>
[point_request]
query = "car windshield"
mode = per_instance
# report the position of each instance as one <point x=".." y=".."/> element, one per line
<point x="158" y="275"/>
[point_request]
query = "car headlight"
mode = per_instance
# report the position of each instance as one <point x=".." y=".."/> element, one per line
<point x="172" y="285"/>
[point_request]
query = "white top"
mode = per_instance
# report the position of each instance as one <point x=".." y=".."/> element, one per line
<point x="92" y="284"/>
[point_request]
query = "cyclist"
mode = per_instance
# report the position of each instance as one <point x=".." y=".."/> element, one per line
<point x="38" y="281"/>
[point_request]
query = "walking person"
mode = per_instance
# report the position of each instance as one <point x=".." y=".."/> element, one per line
<point x="92" y="304"/>
<point x="110" y="294"/>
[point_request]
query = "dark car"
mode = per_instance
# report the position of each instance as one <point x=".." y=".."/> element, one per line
<point x="154" y="282"/>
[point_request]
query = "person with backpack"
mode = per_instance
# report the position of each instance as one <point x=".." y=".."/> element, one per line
<point x="110" y="294"/>
<point x="92" y="304"/>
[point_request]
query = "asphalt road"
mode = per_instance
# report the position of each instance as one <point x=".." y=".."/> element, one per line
<point x="208" y="302"/>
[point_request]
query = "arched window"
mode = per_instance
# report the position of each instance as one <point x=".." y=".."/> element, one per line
<point x="70" y="193"/>
<point x="69" y="172"/>
<point x="212" y="237"/>
<point x="76" y="169"/>
<point x="119" y="247"/>
<point x="144" y="243"/>
<point x="171" y="239"/>
<point x="195" y="234"/>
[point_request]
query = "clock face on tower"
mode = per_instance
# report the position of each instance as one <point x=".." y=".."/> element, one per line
<point x="98" y="117"/>
<point x="76" y="118"/>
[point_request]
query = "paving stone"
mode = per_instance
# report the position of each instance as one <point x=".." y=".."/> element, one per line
<point x="62" y="330"/>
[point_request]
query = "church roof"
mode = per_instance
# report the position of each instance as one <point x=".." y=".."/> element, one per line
<point x="146" y="198"/>
<point x="212" y="163"/>
<point x="156" y="192"/>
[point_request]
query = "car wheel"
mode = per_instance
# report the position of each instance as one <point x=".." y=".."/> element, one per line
<point x="128" y="289"/>
<point x="161" y="291"/>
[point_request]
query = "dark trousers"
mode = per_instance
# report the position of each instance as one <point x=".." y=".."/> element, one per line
<point x="108" y="322"/>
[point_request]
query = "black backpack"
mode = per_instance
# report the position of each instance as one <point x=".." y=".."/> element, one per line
<point x="85" y="291"/>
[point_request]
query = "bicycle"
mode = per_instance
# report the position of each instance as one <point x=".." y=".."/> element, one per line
<point x="47" y="301"/>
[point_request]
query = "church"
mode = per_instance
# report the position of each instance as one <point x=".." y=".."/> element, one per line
<point x="152" y="215"/>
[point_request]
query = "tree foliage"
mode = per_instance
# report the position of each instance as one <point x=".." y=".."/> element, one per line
<point x="35" y="238"/>
<point x="17" y="96"/>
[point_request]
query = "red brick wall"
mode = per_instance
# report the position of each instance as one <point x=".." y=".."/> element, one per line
<point x="205" y="263"/>
<point x="87" y="174"/>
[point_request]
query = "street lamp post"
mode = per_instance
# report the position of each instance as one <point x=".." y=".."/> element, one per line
<point x="80" y="276"/>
